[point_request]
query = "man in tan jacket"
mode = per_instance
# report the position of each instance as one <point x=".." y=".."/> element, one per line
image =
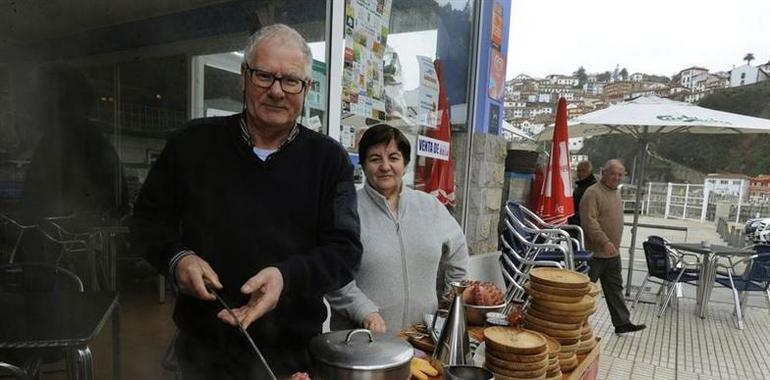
<point x="601" y="216"/>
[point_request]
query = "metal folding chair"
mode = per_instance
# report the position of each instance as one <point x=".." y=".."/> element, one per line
<point x="9" y="223"/>
<point x="669" y="267"/>
<point x="34" y="277"/>
<point x="754" y="278"/>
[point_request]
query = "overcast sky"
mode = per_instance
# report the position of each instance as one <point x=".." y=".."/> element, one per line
<point x="651" y="36"/>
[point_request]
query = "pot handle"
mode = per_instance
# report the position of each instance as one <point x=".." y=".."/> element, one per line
<point x="356" y="331"/>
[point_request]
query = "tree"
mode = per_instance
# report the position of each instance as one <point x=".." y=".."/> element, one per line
<point x="748" y="58"/>
<point x="604" y="77"/>
<point x="581" y="75"/>
<point x="624" y="74"/>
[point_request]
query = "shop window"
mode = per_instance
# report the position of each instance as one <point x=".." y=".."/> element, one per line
<point x="390" y="76"/>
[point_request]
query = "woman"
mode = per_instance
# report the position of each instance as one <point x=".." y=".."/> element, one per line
<point x="407" y="236"/>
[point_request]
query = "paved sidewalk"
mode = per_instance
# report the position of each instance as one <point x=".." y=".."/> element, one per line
<point x="680" y="345"/>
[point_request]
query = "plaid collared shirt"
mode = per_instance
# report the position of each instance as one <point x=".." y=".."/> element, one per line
<point x="250" y="141"/>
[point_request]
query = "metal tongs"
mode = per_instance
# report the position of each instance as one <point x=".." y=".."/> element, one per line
<point x="213" y="291"/>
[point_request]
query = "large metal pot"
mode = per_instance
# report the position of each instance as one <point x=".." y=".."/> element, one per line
<point x="360" y="355"/>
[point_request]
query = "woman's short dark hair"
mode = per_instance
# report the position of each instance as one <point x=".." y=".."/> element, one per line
<point x="383" y="133"/>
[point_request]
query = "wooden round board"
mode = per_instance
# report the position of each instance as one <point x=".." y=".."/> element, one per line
<point x="564" y="334"/>
<point x="532" y="358"/>
<point x="559" y="291"/>
<point x="550" y="324"/>
<point x="557" y="313"/>
<point x="554" y="347"/>
<point x="516" y="374"/>
<point x="551" y="297"/>
<point x="514" y="365"/>
<point x="560" y="278"/>
<point x="573" y="318"/>
<point x="582" y="307"/>
<point x="517" y="341"/>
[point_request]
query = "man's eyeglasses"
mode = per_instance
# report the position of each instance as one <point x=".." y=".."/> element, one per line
<point x="264" y="79"/>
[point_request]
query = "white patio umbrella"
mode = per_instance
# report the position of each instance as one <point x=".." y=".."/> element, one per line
<point x="648" y="117"/>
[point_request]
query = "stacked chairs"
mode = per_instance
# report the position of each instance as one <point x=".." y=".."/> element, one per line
<point x="546" y="242"/>
<point x="755" y="277"/>
<point x="668" y="266"/>
<point x="580" y="256"/>
<point x="526" y="243"/>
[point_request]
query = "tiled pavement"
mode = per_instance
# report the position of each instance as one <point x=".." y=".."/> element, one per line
<point x="680" y="345"/>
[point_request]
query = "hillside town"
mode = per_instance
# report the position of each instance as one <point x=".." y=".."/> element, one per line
<point x="530" y="102"/>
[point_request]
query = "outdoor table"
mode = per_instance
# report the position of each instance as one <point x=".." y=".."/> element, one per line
<point x="65" y="320"/>
<point x="103" y="235"/>
<point x="709" y="254"/>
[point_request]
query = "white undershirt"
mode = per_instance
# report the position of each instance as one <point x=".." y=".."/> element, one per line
<point x="263" y="153"/>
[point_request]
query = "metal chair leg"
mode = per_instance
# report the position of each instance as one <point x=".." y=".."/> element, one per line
<point x="744" y="301"/>
<point x="85" y="364"/>
<point x="641" y="289"/>
<point x="673" y="287"/>
<point x="737" y="301"/>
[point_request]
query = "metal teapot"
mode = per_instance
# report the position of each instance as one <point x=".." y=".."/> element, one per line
<point x="452" y="345"/>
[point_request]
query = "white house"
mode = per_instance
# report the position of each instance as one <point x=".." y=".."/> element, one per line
<point x="747" y="74"/>
<point x="691" y="76"/>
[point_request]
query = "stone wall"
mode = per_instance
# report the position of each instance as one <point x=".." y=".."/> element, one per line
<point x="487" y="177"/>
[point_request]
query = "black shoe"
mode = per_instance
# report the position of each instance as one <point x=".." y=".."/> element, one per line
<point x="628" y="328"/>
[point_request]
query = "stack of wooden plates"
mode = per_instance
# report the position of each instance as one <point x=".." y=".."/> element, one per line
<point x="553" y="371"/>
<point x="559" y="308"/>
<point x="587" y="338"/>
<point x="516" y="354"/>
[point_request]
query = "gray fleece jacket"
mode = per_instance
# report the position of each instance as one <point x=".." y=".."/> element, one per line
<point x="401" y="261"/>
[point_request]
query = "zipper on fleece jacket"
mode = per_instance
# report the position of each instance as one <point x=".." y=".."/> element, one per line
<point x="405" y="270"/>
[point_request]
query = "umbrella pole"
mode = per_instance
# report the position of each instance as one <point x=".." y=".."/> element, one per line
<point x="637" y="208"/>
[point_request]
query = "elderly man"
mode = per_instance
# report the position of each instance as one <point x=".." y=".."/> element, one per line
<point x="258" y="207"/>
<point x="601" y="213"/>
<point x="585" y="180"/>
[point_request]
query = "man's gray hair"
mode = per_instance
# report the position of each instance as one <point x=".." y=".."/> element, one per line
<point x="284" y="34"/>
<point x="613" y="162"/>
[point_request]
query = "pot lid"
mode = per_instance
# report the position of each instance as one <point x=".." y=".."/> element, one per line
<point x="360" y="349"/>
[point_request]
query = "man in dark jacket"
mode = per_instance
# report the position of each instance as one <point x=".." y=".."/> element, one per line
<point x="586" y="178"/>
<point x="260" y="208"/>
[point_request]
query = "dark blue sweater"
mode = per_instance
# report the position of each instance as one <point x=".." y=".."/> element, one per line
<point x="208" y="192"/>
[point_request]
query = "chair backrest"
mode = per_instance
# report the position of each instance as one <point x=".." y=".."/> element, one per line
<point x="37" y="277"/>
<point x="657" y="257"/>
<point x="759" y="267"/>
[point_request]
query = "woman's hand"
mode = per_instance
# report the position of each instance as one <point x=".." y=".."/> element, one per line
<point x="375" y="323"/>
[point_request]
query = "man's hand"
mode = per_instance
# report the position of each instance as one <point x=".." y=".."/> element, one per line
<point x="375" y="323"/>
<point x="264" y="290"/>
<point x="610" y="249"/>
<point x="192" y="273"/>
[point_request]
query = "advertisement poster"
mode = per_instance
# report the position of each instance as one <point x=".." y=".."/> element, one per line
<point x="366" y="35"/>
<point x="496" y="88"/>
<point x="427" y="108"/>
<point x="497" y="26"/>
